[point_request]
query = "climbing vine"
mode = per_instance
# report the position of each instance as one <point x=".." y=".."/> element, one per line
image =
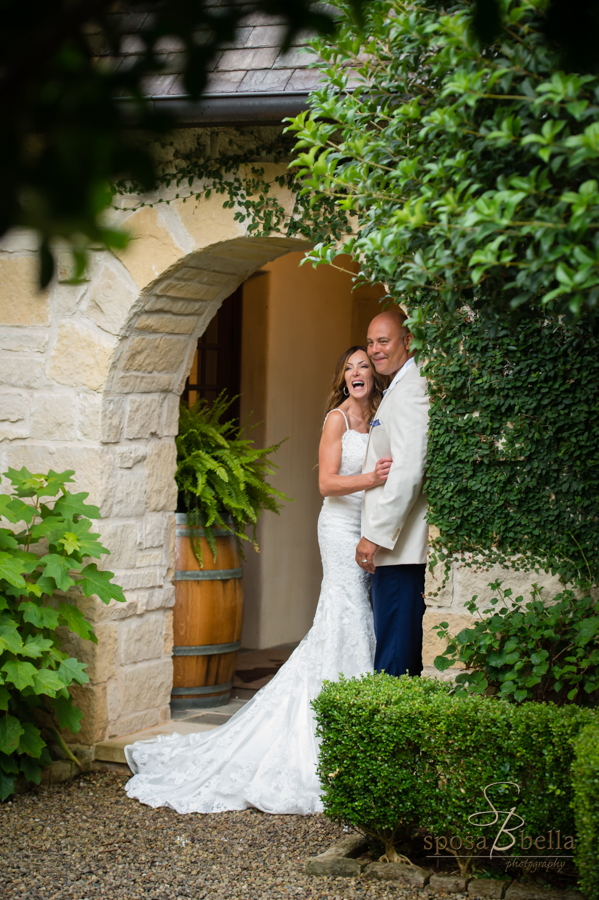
<point x="483" y="219"/>
<point x="473" y="172"/>
<point x="240" y="176"/>
<point x="513" y="473"/>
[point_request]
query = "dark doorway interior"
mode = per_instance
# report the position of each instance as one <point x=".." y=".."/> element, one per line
<point x="217" y="362"/>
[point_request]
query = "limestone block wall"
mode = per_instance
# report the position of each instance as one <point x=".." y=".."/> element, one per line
<point x="447" y="603"/>
<point x="90" y="380"/>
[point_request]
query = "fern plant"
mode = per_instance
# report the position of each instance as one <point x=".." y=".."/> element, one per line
<point x="221" y="476"/>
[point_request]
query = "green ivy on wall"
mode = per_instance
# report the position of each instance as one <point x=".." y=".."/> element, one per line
<point x="239" y="175"/>
<point x="473" y="173"/>
<point x="514" y="432"/>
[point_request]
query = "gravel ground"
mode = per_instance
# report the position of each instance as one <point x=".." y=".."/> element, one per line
<point x="87" y="839"/>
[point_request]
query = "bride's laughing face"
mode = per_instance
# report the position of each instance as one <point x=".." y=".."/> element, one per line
<point x="358" y="375"/>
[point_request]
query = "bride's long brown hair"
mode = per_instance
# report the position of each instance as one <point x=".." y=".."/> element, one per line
<point x="336" y="396"/>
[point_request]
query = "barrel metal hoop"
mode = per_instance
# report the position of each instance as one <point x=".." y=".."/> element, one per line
<point x="207" y="649"/>
<point x="202" y="689"/>
<point x="201" y="532"/>
<point x="207" y="574"/>
<point x="182" y="519"/>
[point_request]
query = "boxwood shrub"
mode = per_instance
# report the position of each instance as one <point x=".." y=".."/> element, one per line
<point x="404" y="754"/>
<point x="585" y="773"/>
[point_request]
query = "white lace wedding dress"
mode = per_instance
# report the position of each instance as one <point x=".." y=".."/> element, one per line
<point x="266" y="755"/>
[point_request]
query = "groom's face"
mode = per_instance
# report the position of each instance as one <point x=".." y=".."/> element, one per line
<point x="388" y="344"/>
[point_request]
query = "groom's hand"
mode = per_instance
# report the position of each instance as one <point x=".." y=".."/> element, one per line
<point x="365" y="555"/>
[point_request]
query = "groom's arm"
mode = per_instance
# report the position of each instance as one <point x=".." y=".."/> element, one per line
<point x="407" y="425"/>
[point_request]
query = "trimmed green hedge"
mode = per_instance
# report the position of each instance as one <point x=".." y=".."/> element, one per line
<point x="401" y="754"/>
<point x="585" y="777"/>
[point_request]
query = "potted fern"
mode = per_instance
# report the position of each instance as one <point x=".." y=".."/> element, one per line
<point x="222" y="484"/>
<point x="220" y="475"/>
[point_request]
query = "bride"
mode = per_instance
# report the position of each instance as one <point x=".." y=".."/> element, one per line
<point x="266" y="755"/>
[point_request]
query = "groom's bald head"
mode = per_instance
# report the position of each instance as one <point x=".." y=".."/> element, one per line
<point x="389" y="341"/>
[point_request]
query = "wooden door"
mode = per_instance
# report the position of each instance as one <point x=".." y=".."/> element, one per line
<point x="217" y="362"/>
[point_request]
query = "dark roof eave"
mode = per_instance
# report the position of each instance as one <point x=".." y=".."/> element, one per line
<point x="232" y="109"/>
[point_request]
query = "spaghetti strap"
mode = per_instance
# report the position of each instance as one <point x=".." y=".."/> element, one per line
<point x="339" y="411"/>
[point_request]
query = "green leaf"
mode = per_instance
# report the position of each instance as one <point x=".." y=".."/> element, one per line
<point x="58" y="568"/>
<point x="10" y="639"/>
<point x="6" y="509"/>
<point x="96" y="582"/>
<point x="70" y="542"/>
<point x="31" y="741"/>
<point x="47" y="585"/>
<point x="74" y="619"/>
<point x="28" y="484"/>
<point x="67" y="714"/>
<point x="84" y="543"/>
<point x="442" y="663"/>
<point x="7" y="785"/>
<point x="40" y="616"/>
<point x="46" y="527"/>
<point x="19" y="511"/>
<point x="72" y="505"/>
<point x="19" y="673"/>
<point x="24" y="482"/>
<point x="4" y="698"/>
<point x="36" y="645"/>
<point x="10" y="734"/>
<point x="47" y="681"/>
<point x="72" y="670"/>
<point x="7" y="539"/>
<point x="9" y="764"/>
<point x="55" y="482"/>
<point x="11" y="569"/>
<point x="31" y="769"/>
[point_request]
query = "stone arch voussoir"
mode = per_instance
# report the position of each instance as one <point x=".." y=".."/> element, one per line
<point x="140" y="403"/>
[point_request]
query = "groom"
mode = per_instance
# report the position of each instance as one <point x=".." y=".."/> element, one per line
<point x="394" y="529"/>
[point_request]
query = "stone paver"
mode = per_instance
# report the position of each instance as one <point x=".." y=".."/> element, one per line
<point x="184" y="721"/>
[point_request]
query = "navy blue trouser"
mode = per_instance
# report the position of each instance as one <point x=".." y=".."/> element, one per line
<point x="398" y="606"/>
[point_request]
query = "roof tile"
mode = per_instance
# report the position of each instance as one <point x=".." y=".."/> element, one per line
<point x="265" y="36"/>
<point x="128" y="23"/>
<point x="248" y="59"/>
<point x="265" y="80"/>
<point x="259" y="18"/>
<point x="169" y="44"/>
<point x="132" y="44"/>
<point x="241" y="39"/>
<point x="304" y="80"/>
<point x="158" y="85"/>
<point x="252" y="63"/>
<point x="295" y="58"/>
<point x="224" y="82"/>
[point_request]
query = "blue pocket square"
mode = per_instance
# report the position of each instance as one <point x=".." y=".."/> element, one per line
<point x="375" y="423"/>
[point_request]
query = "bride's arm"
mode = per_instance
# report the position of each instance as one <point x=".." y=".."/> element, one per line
<point x="330" y="483"/>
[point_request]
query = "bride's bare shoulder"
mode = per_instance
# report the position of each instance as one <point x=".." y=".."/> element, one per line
<point x="335" y="424"/>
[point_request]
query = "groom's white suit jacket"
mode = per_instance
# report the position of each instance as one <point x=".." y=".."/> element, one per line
<point x="393" y="514"/>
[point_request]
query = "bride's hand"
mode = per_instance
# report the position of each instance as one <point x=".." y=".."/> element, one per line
<point x="381" y="471"/>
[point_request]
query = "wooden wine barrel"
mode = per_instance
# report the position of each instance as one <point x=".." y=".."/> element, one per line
<point x="208" y="618"/>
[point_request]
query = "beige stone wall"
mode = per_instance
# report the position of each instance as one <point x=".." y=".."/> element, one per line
<point x="445" y="602"/>
<point x="90" y="379"/>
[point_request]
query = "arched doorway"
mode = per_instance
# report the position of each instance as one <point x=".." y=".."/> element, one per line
<point x="296" y="322"/>
<point x="92" y="381"/>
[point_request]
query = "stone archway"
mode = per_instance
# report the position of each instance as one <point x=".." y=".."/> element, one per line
<point x="138" y="379"/>
<point x="139" y="420"/>
<point x="90" y="380"/>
